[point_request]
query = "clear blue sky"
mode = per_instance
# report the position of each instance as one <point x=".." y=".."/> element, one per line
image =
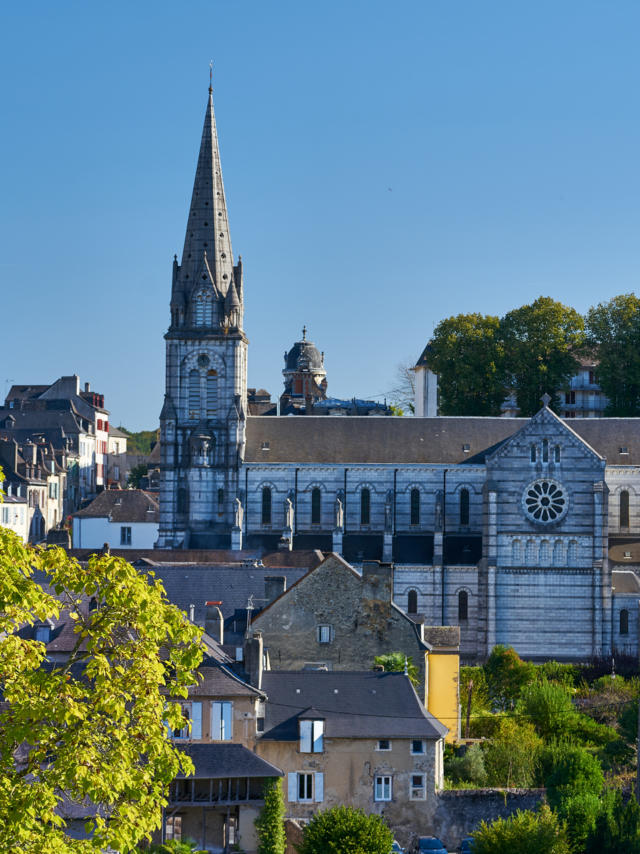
<point x="386" y="165"/>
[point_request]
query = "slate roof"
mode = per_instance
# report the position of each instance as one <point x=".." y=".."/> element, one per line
<point x="218" y="681"/>
<point x="122" y="505"/>
<point x="213" y="761"/>
<point x="196" y="584"/>
<point x="417" y="440"/>
<point x="618" y="548"/>
<point x="364" y="704"/>
<point x="625" y="581"/>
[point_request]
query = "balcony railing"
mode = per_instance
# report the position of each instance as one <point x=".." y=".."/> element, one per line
<point x="221" y="791"/>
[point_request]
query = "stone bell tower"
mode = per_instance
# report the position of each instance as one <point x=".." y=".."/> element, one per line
<point x="202" y="423"/>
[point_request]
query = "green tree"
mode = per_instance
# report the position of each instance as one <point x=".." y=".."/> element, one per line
<point x="506" y="675"/>
<point x="539" y="832"/>
<point x="394" y="662"/>
<point x="134" y="478"/>
<point x="580" y="813"/>
<point x="548" y="707"/>
<point x="140" y="442"/>
<point x="617" y="827"/>
<point x="467" y="354"/>
<point x="91" y="727"/>
<point x="270" y="822"/>
<point x="540" y="344"/>
<point x="613" y="331"/>
<point x="344" y="830"/>
<point x="468" y="768"/>
<point x="511" y="757"/>
<point x="574" y="772"/>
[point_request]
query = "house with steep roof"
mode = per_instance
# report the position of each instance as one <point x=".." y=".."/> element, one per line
<point x="126" y="518"/>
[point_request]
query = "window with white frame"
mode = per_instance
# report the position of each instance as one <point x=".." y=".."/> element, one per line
<point x="417" y="747"/>
<point x="305" y="787"/>
<point x="125" y="536"/>
<point x="192" y="712"/>
<point x="418" y="788"/>
<point x="382" y="788"/>
<point x="383" y="744"/>
<point x="311" y="736"/>
<point x="173" y="827"/>
<point x="221" y="720"/>
<point x="324" y="634"/>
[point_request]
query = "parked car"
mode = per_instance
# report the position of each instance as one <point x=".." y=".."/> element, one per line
<point x="431" y="845"/>
<point x="466" y="846"/>
<point x="396" y="848"/>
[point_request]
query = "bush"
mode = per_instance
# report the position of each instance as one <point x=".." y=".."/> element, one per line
<point x="523" y="833"/>
<point x="344" y="830"/>
<point x="511" y="758"/>
<point x="617" y="827"/>
<point x="580" y="813"/>
<point x="468" y="768"/>
<point x="574" y="772"/>
<point x="548" y="706"/>
<point x="270" y="822"/>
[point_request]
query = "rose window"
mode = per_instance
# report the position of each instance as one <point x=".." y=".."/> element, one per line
<point x="545" y="501"/>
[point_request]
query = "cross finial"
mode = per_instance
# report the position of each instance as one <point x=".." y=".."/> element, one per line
<point x="546" y="399"/>
<point x="211" y="77"/>
<point x="304" y="333"/>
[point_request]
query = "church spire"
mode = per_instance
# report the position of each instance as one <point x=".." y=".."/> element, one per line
<point x="208" y="226"/>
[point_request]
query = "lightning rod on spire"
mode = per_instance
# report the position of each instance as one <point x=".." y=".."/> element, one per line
<point x="211" y="77"/>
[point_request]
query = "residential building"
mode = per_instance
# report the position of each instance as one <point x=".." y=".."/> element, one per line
<point x="124" y="518"/>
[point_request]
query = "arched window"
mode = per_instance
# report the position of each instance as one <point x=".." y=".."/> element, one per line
<point x="624" y="509"/>
<point x="415" y="506"/>
<point x="464" y="506"/>
<point x="182" y="499"/>
<point x="266" y="505"/>
<point x="194" y="394"/>
<point x="316" y="505"/>
<point x="624" y="622"/>
<point x="220" y="498"/>
<point x="463" y="606"/>
<point x="533" y="453"/>
<point x="202" y="315"/>
<point x="556" y="454"/>
<point x="572" y="553"/>
<point x="365" y="506"/>
<point x="412" y="602"/>
<point x="545" y="450"/>
<point x="545" y="553"/>
<point x="532" y="553"/>
<point x="558" y="553"/>
<point x="212" y="393"/>
<point x="517" y="553"/>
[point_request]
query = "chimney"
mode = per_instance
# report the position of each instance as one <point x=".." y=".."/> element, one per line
<point x="254" y="659"/>
<point x="378" y="580"/>
<point x="214" y="621"/>
<point x="87" y="387"/>
<point x="274" y="586"/>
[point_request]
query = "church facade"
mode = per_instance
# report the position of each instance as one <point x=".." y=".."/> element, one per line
<point x="521" y="531"/>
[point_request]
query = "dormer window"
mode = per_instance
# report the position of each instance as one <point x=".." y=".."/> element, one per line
<point x="624" y="450"/>
<point x="43" y="634"/>
<point x="311" y="736"/>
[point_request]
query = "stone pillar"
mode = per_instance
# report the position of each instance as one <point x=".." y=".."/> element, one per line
<point x="337" y="541"/>
<point x="387" y="548"/>
<point x="437" y="548"/>
<point x="236" y="539"/>
<point x="491" y="608"/>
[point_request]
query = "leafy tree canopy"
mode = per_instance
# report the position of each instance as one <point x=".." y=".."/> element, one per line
<point x="344" y="830"/>
<point x="613" y="332"/>
<point x="617" y="827"/>
<point x="539" y="832"/>
<point x="140" y="442"/>
<point x="394" y="662"/>
<point x="540" y="344"/>
<point x="511" y="757"/>
<point x="467" y="354"/>
<point x="134" y="478"/>
<point x="92" y="727"/>
<point x="506" y="674"/>
<point x="574" y="772"/>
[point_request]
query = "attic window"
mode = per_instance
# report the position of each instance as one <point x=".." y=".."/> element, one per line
<point x="466" y="448"/>
<point x="627" y="555"/>
<point x="624" y="450"/>
<point x="265" y="446"/>
<point x="118" y="502"/>
<point x="43" y="634"/>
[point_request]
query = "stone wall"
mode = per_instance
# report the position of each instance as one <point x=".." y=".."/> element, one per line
<point x="459" y="812"/>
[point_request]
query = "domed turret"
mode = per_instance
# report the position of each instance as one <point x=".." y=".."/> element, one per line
<point x="305" y="379"/>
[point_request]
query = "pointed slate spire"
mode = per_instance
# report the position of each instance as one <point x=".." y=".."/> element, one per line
<point x="208" y="226"/>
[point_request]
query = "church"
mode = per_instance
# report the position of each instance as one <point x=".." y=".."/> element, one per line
<point x="521" y="531"/>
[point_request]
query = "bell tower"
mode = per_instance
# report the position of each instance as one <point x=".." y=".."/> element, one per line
<point x="202" y="423"/>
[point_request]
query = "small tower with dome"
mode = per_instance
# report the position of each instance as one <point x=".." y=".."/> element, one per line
<point x="305" y="379"/>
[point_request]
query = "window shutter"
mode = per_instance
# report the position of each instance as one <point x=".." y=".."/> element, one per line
<point x="318" y="730"/>
<point x="319" y="797"/>
<point x="196" y="720"/>
<point x="293" y="787"/>
<point x="216" y="720"/>
<point x="227" y="722"/>
<point x="305" y="736"/>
